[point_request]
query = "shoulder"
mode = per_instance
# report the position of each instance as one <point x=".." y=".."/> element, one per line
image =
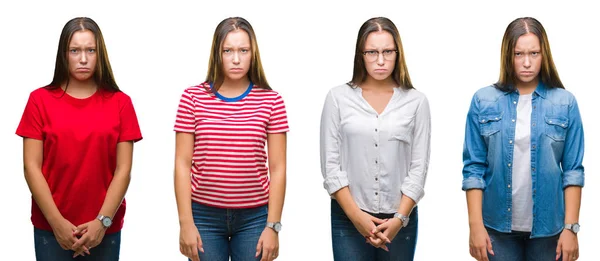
<point x="488" y="93"/>
<point x="43" y="92"/>
<point x="265" y="94"/>
<point x="560" y="96"/>
<point x="200" y="89"/>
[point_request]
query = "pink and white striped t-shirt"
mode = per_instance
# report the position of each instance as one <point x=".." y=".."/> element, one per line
<point x="229" y="164"/>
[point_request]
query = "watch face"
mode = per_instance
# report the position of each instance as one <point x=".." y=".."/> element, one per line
<point x="106" y="222"/>
<point x="575" y="228"/>
<point x="277" y="227"/>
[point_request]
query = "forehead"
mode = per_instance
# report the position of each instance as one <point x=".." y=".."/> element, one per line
<point x="82" y="37"/>
<point x="380" y="39"/>
<point x="237" y="37"/>
<point x="527" y="41"/>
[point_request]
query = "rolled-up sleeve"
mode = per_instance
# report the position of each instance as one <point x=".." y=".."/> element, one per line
<point x="330" y="137"/>
<point x="414" y="182"/>
<point x="572" y="159"/>
<point x="474" y="151"/>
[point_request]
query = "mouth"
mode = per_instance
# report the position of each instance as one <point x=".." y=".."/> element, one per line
<point x="526" y="73"/>
<point x="82" y="70"/>
<point x="236" y="69"/>
<point x="380" y="70"/>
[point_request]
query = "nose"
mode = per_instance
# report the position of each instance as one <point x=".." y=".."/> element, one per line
<point x="380" y="59"/>
<point x="527" y="61"/>
<point x="236" y="58"/>
<point x="83" y="58"/>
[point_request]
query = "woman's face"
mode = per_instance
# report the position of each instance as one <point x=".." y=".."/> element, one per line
<point x="82" y="56"/>
<point x="380" y="55"/>
<point x="527" y="58"/>
<point x="236" y="55"/>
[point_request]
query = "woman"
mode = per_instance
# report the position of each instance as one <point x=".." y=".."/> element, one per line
<point x="523" y="155"/>
<point x="375" y="134"/>
<point x="228" y="204"/>
<point x="78" y="134"/>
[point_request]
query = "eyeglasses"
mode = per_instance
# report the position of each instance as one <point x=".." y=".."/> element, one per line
<point x="372" y="55"/>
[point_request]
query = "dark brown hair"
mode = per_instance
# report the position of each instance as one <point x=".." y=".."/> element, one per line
<point x="517" y="28"/>
<point x="378" y="24"/>
<point x="215" y="73"/>
<point x="103" y="75"/>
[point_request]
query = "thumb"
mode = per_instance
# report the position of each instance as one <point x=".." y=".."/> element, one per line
<point x="558" y="249"/>
<point x="489" y="246"/>
<point x="258" y="247"/>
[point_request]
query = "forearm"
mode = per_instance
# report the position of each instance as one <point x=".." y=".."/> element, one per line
<point x="572" y="204"/>
<point x="41" y="194"/>
<point x="474" y="204"/>
<point x="406" y="205"/>
<point x="344" y="198"/>
<point x="276" y="196"/>
<point x="116" y="192"/>
<point x="183" y="192"/>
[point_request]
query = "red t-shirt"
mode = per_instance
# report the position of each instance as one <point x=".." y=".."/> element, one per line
<point x="80" y="149"/>
<point x="229" y="165"/>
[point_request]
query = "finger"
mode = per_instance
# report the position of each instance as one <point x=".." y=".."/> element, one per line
<point x="193" y="253"/>
<point x="380" y="227"/>
<point x="87" y="250"/>
<point x="377" y="220"/>
<point x="384" y="237"/>
<point x="483" y="254"/>
<point x="266" y="253"/>
<point x="558" y="248"/>
<point x="489" y="246"/>
<point x="258" y="247"/>
<point x="80" y="242"/>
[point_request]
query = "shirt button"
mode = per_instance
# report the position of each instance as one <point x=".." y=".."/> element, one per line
<point x="509" y="185"/>
<point x="533" y="124"/>
<point x="509" y="164"/>
<point x="376" y="179"/>
<point x="550" y="121"/>
<point x="375" y="144"/>
<point x="533" y="146"/>
<point x="534" y="107"/>
<point x="376" y="193"/>
<point x="509" y="209"/>
<point x="515" y="102"/>
<point x="513" y="120"/>
<point x="482" y="120"/>
<point x="376" y="161"/>
<point x="375" y="130"/>
<point x="510" y="141"/>
<point x="532" y="169"/>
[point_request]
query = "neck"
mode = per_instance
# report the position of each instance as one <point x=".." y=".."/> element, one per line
<point x="527" y="87"/>
<point x="80" y="88"/>
<point x="378" y="85"/>
<point x="229" y="84"/>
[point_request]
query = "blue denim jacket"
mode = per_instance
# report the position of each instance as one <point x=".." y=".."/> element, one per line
<point x="556" y="155"/>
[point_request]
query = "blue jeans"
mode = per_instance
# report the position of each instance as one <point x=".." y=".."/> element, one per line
<point x="229" y="232"/>
<point x="48" y="249"/>
<point x="517" y="246"/>
<point x="350" y="245"/>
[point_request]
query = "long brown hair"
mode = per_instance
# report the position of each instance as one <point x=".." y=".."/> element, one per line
<point x="215" y="73"/>
<point x="517" y="28"/>
<point x="103" y="75"/>
<point x="378" y="24"/>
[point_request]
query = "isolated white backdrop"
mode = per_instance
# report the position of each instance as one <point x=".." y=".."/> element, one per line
<point x="158" y="49"/>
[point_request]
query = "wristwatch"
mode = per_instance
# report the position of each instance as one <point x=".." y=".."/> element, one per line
<point x="402" y="218"/>
<point x="275" y="226"/>
<point x="106" y="221"/>
<point x="573" y="227"/>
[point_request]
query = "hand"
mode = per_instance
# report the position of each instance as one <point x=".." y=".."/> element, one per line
<point x="189" y="241"/>
<point x="268" y="243"/>
<point x="567" y="245"/>
<point x="390" y="229"/>
<point x="365" y="224"/>
<point x="63" y="232"/>
<point x="479" y="242"/>
<point x="91" y="235"/>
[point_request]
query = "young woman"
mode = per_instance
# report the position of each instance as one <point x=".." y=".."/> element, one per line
<point x="229" y="205"/>
<point x="375" y="134"/>
<point x="78" y="134"/>
<point x="523" y="155"/>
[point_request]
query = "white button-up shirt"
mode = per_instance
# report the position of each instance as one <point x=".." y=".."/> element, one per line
<point x="378" y="156"/>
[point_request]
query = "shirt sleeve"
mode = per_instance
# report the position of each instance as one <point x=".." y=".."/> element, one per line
<point x="414" y="183"/>
<point x="474" y="151"/>
<point x="278" y="122"/>
<point x="31" y="124"/>
<point x="335" y="177"/>
<point x="130" y="128"/>
<point x="185" y="120"/>
<point x="572" y="159"/>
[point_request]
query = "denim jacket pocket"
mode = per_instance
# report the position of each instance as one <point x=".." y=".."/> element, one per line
<point x="556" y="127"/>
<point x="490" y="124"/>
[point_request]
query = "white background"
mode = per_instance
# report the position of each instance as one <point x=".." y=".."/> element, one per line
<point x="158" y="49"/>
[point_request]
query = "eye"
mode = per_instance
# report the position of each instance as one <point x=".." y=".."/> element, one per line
<point x="245" y="50"/>
<point x="535" y="53"/>
<point x="370" y="52"/>
<point x="226" y="50"/>
<point x="73" y="50"/>
<point x="91" y="50"/>
<point x="518" y="53"/>
<point x="388" y="52"/>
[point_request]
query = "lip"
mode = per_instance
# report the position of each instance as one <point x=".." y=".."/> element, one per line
<point x="82" y="70"/>
<point x="380" y="70"/>
<point x="526" y="73"/>
<point x="236" y="69"/>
